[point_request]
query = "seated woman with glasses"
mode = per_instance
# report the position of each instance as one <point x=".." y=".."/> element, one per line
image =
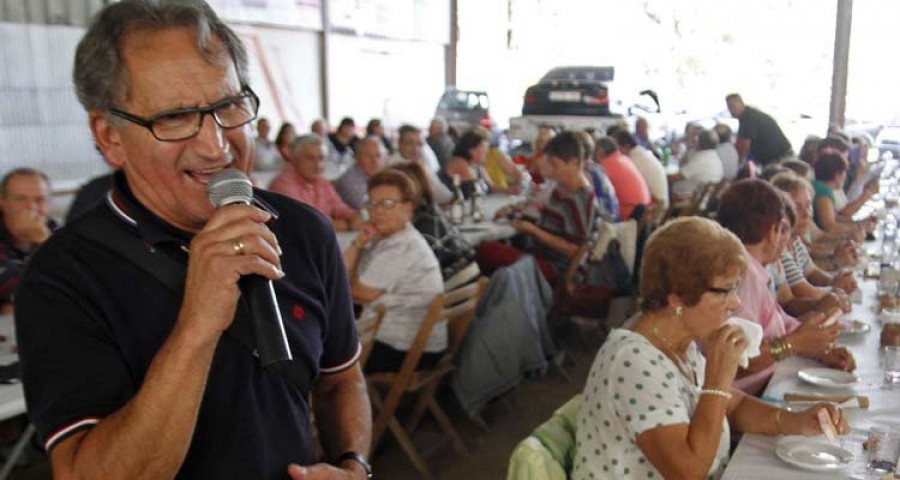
<point x="653" y="405"/>
<point x="390" y="264"/>
<point x="755" y="211"/>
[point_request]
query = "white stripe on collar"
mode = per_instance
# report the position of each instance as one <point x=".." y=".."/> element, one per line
<point x="121" y="213"/>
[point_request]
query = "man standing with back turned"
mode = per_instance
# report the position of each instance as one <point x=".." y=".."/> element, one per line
<point x="759" y="136"/>
<point x="128" y="377"/>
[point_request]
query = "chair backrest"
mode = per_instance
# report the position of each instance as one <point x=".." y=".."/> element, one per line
<point x="457" y="308"/>
<point x="711" y="203"/>
<point x="367" y="328"/>
<point x="549" y="451"/>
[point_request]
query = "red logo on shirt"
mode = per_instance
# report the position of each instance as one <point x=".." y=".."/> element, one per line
<point x="299" y="312"/>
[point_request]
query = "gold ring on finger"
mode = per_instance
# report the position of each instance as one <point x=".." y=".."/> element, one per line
<point x="238" y="247"/>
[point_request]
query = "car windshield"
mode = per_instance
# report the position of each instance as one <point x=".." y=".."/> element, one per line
<point x="465" y="101"/>
<point x="585" y="74"/>
<point x="889" y="135"/>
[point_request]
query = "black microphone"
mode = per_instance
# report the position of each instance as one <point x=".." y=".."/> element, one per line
<point x="229" y="187"/>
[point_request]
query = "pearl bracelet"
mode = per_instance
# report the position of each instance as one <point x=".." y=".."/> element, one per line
<point x="717" y="392"/>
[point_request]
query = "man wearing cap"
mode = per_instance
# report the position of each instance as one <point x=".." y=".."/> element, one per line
<point x="135" y="353"/>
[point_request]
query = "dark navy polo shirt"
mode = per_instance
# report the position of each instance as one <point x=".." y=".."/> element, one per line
<point x="89" y="324"/>
<point x="767" y="141"/>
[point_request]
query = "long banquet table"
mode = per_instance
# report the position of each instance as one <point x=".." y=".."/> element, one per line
<point x="755" y="455"/>
<point x="12" y="398"/>
<point x="474" y="233"/>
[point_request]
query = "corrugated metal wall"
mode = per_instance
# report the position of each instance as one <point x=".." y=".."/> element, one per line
<point x="42" y="125"/>
<point x="49" y="12"/>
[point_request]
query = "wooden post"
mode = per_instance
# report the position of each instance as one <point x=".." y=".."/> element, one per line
<point x="838" y="106"/>
<point x="450" y="50"/>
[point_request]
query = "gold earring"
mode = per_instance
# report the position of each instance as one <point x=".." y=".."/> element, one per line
<point x="679" y="311"/>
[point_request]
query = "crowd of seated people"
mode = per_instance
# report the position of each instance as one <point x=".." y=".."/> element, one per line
<point x="772" y="256"/>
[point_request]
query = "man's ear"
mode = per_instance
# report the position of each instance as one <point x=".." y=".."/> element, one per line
<point x="108" y="138"/>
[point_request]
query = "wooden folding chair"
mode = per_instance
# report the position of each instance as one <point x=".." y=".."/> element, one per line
<point x="366" y="330"/>
<point x="710" y="204"/>
<point x="457" y="309"/>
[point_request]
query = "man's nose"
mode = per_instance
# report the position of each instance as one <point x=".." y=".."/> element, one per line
<point x="210" y="142"/>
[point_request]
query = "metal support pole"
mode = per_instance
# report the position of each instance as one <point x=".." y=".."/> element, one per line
<point x="324" y="52"/>
<point x="450" y="50"/>
<point x="838" y="106"/>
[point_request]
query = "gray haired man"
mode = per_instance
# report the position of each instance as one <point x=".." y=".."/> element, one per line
<point x="132" y="373"/>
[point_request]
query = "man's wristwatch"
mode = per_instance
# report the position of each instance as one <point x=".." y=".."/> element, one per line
<point x="358" y="458"/>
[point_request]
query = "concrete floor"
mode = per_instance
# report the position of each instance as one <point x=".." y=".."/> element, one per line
<point x="510" y="419"/>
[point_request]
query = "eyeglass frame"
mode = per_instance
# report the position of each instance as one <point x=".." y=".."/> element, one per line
<point x="386" y="204"/>
<point x="203" y="111"/>
<point x="732" y="290"/>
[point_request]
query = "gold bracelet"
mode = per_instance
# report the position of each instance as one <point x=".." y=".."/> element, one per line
<point x="778" y="421"/>
<point x="788" y="348"/>
<point x="776" y="349"/>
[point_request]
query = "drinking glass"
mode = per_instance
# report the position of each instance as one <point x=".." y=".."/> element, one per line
<point x="891" y="366"/>
<point x="883" y="449"/>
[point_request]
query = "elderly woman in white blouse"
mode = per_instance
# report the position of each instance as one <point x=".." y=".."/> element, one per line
<point x="654" y="406"/>
<point x="390" y="263"/>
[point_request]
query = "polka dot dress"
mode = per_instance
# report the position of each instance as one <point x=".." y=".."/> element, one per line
<point x="634" y="387"/>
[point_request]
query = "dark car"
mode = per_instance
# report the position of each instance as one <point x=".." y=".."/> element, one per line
<point x="570" y="91"/>
<point x="464" y="109"/>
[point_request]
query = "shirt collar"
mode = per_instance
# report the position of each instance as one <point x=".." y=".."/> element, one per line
<point x="152" y="229"/>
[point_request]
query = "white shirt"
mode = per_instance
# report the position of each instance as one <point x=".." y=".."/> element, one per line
<point x="840" y="199"/>
<point x="266" y="155"/>
<point x="728" y="154"/>
<point x="442" y="194"/>
<point x="703" y="167"/>
<point x="633" y="387"/>
<point x="405" y="268"/>
<point x="653" y="174"/>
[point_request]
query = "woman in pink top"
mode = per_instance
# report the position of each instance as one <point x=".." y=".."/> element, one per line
<point x="631" y="188"/>
<point x="301" y="179"/>
<point x="755" y="212"/>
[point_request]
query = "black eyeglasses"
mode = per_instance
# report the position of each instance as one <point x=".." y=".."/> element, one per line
<point x="386" y="204"/>
<point x="184" y="123"/>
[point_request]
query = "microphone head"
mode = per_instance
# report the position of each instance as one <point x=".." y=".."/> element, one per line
<point x="229" y="186"/>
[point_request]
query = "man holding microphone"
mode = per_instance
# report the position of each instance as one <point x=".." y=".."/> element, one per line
<point x="133" y="373"/>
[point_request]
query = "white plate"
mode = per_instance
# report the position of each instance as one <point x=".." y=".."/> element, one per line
<point x="813" y="455"/>
<point x="853" y="327"/>
<point x="828" y="377"/>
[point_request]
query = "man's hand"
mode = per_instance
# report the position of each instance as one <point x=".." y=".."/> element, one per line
<point x="324" y="471"/>
<point x="235" y="242"/>
<point x="28" y="227"/>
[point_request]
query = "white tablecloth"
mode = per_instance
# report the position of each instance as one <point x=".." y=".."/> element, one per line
<point x="12" y="399"/>
<point x="474" y="233"/>
<point x="755" y="455"/>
